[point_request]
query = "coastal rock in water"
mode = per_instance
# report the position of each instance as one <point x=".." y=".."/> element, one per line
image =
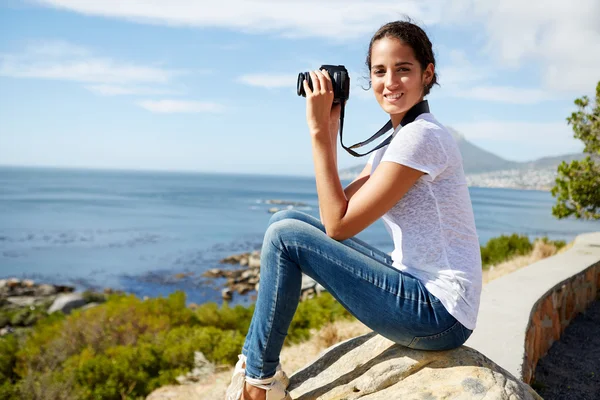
<point x="213" y="273"/>
<point x="254" y="260"/>
<point x="66" y="303"/>
<point x="227" y="294"/>
<point x="376" y="368"/>
<point x="45" y="290"/>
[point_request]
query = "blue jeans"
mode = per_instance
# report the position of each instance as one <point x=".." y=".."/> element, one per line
<point x="360" y="277"/>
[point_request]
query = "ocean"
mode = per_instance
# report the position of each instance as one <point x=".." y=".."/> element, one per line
<point x="136" y="231"/>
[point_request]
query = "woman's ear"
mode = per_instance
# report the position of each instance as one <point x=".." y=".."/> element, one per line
<point x="428" y="73"/>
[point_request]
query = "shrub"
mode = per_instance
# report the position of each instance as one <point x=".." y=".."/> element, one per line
<point x="126" y="347"/>
<point x="504" y="247"/>
<point x="8" y="356"/>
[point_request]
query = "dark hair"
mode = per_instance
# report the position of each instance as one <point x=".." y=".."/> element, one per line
<point x="412" y="35"/>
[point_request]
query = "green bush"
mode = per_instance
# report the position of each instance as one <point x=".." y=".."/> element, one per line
<point x="313" y="314"/>
<point x="504" y="247"/>
<point x="8" y="356"/>
<point x="557" y="243"/>
<point x="127" y="347"/>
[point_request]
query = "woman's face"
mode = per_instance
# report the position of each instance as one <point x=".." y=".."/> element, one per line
<point x="396" y="77"/>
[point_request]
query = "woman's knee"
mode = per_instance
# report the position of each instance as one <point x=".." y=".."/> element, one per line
<point x="284" y="231"/>
<point x="285" y="214"/>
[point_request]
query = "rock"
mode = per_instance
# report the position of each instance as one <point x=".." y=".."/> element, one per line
<point x="285" y="202"/>
<point x="235" y="273"/>
<point x="12" y="283"/>
<point x="202" y="368"/>
<point x="213" y="273"/>
<point x="226" y="294"/>
<point x="22" y="301"/>
<point x="247" y="274"/>
<point x="242" y="288"/>
<point x="64" y="289"/>
<point x="375" y="368"/>
<point x="66" y="303"/>
<point x="234" y="259"/>
<point x="6" y="330"/>
<point x="28" y="283"/>
<point x="254" y="261"/>
<point x="273" y="210"/>
<point x="45" y="290"/>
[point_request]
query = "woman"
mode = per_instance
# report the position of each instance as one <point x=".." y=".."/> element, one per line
<point x="426" y="294"/>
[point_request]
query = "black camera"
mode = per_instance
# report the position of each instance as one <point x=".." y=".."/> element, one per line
<point x="339" y="78"/>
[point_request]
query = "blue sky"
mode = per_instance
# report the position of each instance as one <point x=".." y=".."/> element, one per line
<point x="211" y="86"/>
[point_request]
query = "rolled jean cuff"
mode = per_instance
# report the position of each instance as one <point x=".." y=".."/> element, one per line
<point x="265" y="381"/>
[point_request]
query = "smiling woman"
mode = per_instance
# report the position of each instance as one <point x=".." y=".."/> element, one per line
<point x="426" y="294"/>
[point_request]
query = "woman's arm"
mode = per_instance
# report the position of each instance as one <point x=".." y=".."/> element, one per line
<point x="355" y="185"/>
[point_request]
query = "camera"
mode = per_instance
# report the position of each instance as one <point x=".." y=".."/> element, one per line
<point x="339" y="79"/>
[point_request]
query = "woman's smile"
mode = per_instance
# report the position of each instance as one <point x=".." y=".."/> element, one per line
<point x="393" y="97"/>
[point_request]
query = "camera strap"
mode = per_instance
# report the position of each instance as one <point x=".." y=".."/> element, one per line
<point x="416" y="110"/>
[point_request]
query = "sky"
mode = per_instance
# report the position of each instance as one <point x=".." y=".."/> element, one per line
<point x="211" y="86"/>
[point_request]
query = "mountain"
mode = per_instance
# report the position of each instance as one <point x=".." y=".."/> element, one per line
<point x="477" y="160"/>
<point x="483" y="168"/>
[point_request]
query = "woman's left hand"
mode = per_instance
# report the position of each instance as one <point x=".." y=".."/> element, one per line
<point x="318" y="103"/>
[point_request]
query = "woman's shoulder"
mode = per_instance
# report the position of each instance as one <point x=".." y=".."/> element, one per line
<point x="427" y="121"/>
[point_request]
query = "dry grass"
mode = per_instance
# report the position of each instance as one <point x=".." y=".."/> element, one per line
<point x="540" y="251"/>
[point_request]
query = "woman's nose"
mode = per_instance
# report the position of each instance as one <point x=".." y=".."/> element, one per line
<point x="391" y="80"/>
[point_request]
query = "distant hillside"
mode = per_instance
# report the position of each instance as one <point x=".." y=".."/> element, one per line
<point x="477" y="160"/>
<point x="484" y="167"/>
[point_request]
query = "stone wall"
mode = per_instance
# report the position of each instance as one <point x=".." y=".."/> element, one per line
<point x="554" y="312"/>
<point x="522" y="313"/>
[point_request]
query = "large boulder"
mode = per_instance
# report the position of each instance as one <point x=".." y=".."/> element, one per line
<point x="371" y="367"/>
<point x="67" y="303"/>
<point x="375" y="368"/>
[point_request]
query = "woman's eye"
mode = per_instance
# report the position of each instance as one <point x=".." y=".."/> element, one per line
<point x="404" y="69"/>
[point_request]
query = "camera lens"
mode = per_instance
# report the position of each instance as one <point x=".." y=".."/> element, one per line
<point x="300" y="85"/>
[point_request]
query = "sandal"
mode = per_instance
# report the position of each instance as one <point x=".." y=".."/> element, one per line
<point x="236" y="387"/>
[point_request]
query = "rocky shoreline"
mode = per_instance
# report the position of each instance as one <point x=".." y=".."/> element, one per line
<point x="245" y="279"/>
<point x="23" y="302"/>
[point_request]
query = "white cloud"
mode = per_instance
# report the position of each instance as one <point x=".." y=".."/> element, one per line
<point x="269" y="81"/>
<point x="180" y="106"/>
<point x="63" y="61"/>
<point x="291" y="18"/>
<point x="56" y="48"/>
<point x="506" y="94"/>
<point x="116" y="90"/>
<point x="561" y="38"/>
